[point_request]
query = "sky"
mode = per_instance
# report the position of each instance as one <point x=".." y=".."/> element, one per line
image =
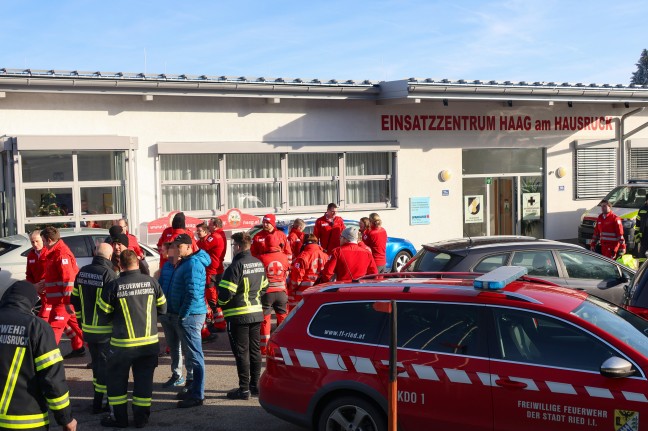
<point x="572" y="41"/>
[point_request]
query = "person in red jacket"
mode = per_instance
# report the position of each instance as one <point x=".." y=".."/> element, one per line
<point x="178" y="226"/>
<point x="220" y="238"/>
<point x="260" y="240"/>
<point x="328" y="229"/>
<point x="133" y="244"/>
<point x="349" y="262"/>
<point x="377" y="241"/>
<point x="306" y="269"/>
<point x="276" y="266"/>
<point x="60" y="271"/>
<point x="35" y="271"/>
<point x="296" y="236"/>
<point x="209" y="242"/>
<point x="364" y="224"/>
<point x="609" y="230"/>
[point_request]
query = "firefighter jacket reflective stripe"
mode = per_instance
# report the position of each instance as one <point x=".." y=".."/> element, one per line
<point x="32" y="376"/>
<point x="35" y="270"/>
<point x="609" y="230"/>
<point x="642" y="224"/>
<point x="88" y="285"/>
<point x="240" y="290"/>
<point x="328" y="232"/>
<point x="349" y="262"/>
<point x="133" y="301"/>
<point x="307" y="268"/>
<point x="276" y="268"/>
<point x="60" y="270"/>
<point x="260" y="243"/>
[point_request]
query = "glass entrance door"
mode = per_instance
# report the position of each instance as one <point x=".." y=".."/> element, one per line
<point x="503" y="206"/>
<point x="503" y="202"/>
<point x="503" y="191"/>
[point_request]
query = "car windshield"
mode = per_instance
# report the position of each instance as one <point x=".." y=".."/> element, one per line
<point x="627" y="197"/>
<point x="5" y="247"/>
<point x="616" y="321"/>
<point x="431" y="260"/>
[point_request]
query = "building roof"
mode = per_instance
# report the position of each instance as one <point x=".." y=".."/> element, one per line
<point x="411" y="90"/>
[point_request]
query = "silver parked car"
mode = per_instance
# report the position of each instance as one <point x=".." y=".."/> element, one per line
<point x="564" y="264"/>
<point x="14" y="250"/>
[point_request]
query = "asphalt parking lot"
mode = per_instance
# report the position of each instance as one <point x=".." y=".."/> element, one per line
<point x="218" y="413"/>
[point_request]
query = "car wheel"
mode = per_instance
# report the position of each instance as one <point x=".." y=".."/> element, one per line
<point x="400" y="260"/>
<point x="351" y="413"/>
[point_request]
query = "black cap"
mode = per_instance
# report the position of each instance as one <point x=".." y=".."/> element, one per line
<point x="183" y="238"/>
<point x="120" y="239"/>
<point x="115" y="230"/>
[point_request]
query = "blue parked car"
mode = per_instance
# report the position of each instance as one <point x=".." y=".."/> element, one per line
<point x="399" y="250"/>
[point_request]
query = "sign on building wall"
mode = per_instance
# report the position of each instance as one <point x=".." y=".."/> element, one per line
<point x="474" y="209"/>
<point x="531" y="206"/>
<point x="419" y="211"/>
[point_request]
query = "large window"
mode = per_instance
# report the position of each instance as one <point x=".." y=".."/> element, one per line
<point x="596" y="172"/>
<point x="190" y="181"/>
<point x="278" y="182"/>
<point x="638" y="163"/>
<point x="67" y="188"/>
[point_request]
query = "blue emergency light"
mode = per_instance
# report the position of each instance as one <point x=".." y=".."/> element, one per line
<point x="499" y="277"/>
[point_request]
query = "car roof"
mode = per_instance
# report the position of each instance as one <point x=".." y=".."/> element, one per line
<point x="458" y="245"/>
<point x="23" y="238"/>
<point x="456" y="287"/>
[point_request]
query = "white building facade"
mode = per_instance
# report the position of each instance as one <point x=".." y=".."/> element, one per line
<point x="436" y="159"/>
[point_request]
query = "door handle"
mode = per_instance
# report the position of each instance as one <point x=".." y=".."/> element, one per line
<point x="511" y="384"/>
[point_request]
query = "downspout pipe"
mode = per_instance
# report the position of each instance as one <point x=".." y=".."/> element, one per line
<point x="621" y="139"/>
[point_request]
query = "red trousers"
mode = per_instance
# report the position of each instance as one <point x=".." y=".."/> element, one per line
<point x="62" y="316"/>
<point x="272" y="301"/>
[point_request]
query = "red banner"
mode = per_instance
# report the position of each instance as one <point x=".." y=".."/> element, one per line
<point x="234" y="219"/>
<point x="158" y="226"/>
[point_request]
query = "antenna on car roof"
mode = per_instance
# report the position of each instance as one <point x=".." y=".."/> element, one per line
<point x="470" y="241"/>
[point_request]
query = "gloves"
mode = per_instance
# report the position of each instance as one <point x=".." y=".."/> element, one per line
<point x="621" y="252"/>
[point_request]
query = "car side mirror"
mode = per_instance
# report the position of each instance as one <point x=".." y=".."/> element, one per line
<point x="616" y="368"/>
<point x="624" y="278"/>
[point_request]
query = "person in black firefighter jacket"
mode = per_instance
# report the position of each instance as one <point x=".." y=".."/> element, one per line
<point x="88" y="285"/>
<point x="133" y="301"/>
<point x="31" y="366"/>
<point x="239" y="296"/>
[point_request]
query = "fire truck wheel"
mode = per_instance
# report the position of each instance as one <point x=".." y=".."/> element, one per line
<point x="351" y="413"/>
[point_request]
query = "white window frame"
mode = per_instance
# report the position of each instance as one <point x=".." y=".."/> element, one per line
<point x="585" y="176"/>
<point x="284" y="149"/>
<point x="641" y="145"/>
<point x="76" y="144"/>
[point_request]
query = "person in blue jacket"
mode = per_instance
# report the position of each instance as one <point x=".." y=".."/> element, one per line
<point x="186" y="298"/>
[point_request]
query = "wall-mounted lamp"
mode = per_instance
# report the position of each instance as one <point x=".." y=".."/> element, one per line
<point x="561" y="172"/>
<point x="570" y="104"/>
<point x="445" y="175"/>
<point x="509" y="103"/>
<point x="445" y="102"/>
<point x="627" y="104"/>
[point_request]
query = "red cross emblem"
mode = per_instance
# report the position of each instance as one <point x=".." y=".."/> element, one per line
<point x="317" y="264"/>
<point x="275" y="268"/>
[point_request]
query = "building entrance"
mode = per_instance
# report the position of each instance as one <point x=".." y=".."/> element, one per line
<point x="502" y="203"/>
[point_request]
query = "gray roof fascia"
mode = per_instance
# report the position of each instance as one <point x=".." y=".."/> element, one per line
<point x="453" y="90"/>
<point x="181" y="85"/>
